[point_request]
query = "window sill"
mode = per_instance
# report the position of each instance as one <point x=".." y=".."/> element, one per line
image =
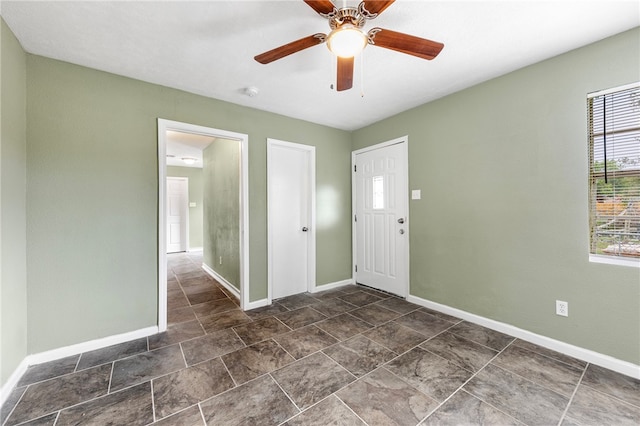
<point x="614" y="260"/>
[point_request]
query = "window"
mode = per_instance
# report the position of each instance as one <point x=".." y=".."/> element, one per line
<point x="614" y="172"/>
<point x="378" y="192"/>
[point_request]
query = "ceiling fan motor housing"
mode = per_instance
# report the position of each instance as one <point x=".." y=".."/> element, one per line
<point x="346" y="15"/>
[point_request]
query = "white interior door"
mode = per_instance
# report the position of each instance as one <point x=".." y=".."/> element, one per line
<point x="381" y="215"/>
<point x="290" y="193"/>
<point x="177" y="214"/>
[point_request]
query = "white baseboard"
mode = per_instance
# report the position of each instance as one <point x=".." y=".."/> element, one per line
<point x="221" y="280"/>
<point x="256" y="304"/>
<point x="13" y="380"/>
<point x="606" y="361"/>
<point x="66" y="351"/>
<point x="331" y="286"/>
<point x="91" y="345"/>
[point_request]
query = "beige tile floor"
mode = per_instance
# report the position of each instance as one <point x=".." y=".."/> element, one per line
<point x="351" y="356"/>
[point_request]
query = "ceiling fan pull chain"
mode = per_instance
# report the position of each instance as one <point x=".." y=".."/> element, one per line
<point x="362" y="74"/>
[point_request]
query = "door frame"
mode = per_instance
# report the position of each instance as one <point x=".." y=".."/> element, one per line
<point x="311" y="271"/>
<point x="243" y="139"/>
<point x="404" y="141"/>
<point x="186" y="211"/>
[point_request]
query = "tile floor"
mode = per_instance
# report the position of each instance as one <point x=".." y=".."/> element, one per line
<point x="351" y="356"/>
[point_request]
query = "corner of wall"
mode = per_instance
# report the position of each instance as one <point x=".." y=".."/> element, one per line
<point x="13" y="277"/>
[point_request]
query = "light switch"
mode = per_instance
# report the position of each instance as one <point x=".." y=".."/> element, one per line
<point x="192" y="204"/>
<point x="415" y="194"/>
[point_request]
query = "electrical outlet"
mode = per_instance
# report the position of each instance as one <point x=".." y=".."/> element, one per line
<point x="562" y="308"/>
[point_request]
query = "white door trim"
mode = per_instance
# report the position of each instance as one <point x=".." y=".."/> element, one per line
<point x="243" y="139"/>
<point x="311" y="272"/>
<point x="404" y="140"/>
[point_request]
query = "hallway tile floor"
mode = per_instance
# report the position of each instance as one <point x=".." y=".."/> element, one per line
<point x="349" y="356"/>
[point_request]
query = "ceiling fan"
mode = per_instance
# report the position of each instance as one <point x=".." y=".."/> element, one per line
<point x="347" y="38"/>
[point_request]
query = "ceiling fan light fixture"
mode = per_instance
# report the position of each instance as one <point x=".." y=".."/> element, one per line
<point x="346" y="41"/>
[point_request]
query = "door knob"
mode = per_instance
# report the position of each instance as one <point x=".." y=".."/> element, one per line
<point x="305" y="229"/>
<point x="401" y="220"/>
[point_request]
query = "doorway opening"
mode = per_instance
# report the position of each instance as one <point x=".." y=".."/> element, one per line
<point x="185" y="190"/>
<point x="242" y="141"/>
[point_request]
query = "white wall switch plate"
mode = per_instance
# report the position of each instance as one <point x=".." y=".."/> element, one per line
<point x="415" y="194"/>
<point x="192" y="204"/>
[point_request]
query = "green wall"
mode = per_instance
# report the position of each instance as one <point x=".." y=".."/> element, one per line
<point x="221" y="165"/>
<point x="195" y="196"/>
<point x="501" y="230"/>
<point x="92" y="234"/>
<point x="13" y="175"/>
<point x="502" y="227"/>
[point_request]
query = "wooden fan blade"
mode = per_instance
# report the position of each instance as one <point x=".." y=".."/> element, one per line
<point x="345" y="74"/>
<point x="405" y="43"/>
<point x="323" y="7"/>
<point x="375" y="7"/>
<point x="289" y="48"/>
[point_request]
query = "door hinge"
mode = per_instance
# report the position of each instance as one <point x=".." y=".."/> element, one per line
<point x="355" y="168"/>
<point x="355" y="217"/>
<point x="356" y="268"/>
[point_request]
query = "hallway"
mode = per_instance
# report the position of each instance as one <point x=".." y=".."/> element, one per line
<point x="350" y="356"/>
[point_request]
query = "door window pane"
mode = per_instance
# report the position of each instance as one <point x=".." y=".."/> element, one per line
<point x="378" y="192"/>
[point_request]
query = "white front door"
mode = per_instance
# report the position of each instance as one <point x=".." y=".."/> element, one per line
<point x="290" y="199"/>
<point x="381" y="217"/>
<point x="177" y="209"/>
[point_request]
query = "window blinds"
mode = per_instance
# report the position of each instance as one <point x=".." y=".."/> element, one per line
<point x="614" y="171"/>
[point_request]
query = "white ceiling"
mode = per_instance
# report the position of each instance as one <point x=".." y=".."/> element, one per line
<point x="186" y="145"/>
<point x="207" y="47"/>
